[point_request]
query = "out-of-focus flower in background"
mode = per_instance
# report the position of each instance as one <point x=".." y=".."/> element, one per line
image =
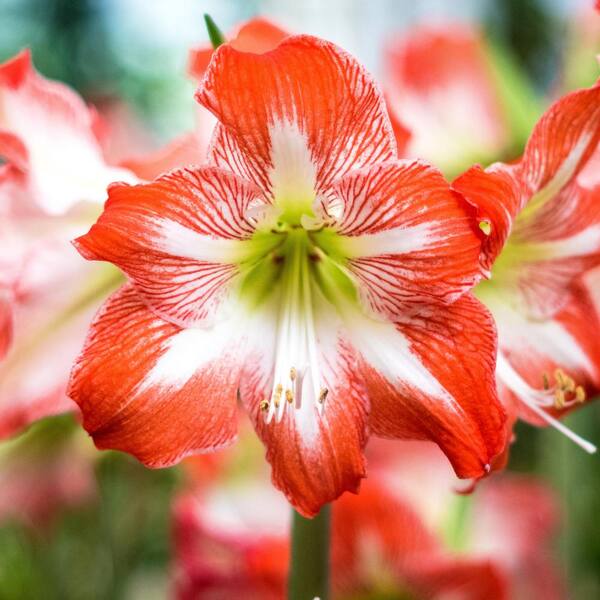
<point x="44" y="472"/>
<point x="455" y="94"/>
<point x="406" y="533"/>
<point x="542" y="233"/>
<point x="51" y="186"/>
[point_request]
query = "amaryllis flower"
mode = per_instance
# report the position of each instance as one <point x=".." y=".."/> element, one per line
<point x="306" y="270"/>
<point x="51" y="184"/>
<point x="541" y="217"/>
<point x="406" y="533"/>
<point x="440" y="84"/>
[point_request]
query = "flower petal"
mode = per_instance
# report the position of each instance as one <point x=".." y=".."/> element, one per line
<point x="147" y="387"/>
<point x="315" y="454"/>
<point x="408" y="237"/>
<point x="302" y="114"/>
<point x="258" y="35"/>
<point x="431" y="377"/>
<point x="552" y="218"/>
<point x="35" y="114"/>
<point x="178" y="238"/>
<point x="495" y="195"/>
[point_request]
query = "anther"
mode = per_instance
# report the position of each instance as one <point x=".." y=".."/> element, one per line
<point x="559" y="399"/>
<point x="323" y="395"/>
<point x="545" y="381"/>
<point x="293" y="374"/>
<point x="264" y="405"/>
<point x="579" y="394"/>
<point x="289" y="395"/>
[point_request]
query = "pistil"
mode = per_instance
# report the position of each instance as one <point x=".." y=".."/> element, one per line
<point x="297" y="376"/>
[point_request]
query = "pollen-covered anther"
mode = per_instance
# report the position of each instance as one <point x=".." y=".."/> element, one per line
<point x="565" y="391"/>
<point x="289" y="396"/>
<point x="323" y="395"/>
<point x="264" y="405"/>
<point x="293" y="374"/>
<point x="277" y="395"/>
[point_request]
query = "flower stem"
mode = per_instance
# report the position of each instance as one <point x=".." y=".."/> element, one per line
<point x="309" y="563"/>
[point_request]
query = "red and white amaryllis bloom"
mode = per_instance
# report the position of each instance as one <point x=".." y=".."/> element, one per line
<point x="541" y="217"/>
<point x="304" y="268"/>
<point x="439" y="83"/>
<point x="51" y="183"/>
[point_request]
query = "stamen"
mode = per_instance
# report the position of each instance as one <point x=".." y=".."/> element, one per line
<point x="296" y="349"/>
<point x="323" y="395"/>
<point x="264" y="405"/>
<point x="538" y="400"/>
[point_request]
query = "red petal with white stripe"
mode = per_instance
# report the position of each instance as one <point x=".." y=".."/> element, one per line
<point x="147" y="387"/>
<point x="551" y="217"/>
<point x="431" y="377"/>
<point x="304" y="113"/>
<point x="177" y="238"/>
<point x="316" y="453"/>
<point x="409" y="238"/>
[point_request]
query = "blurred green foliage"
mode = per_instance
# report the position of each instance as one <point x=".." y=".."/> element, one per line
<point x="108" y="548"/>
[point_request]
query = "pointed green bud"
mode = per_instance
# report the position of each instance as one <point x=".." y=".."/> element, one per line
<point x="214" y="33"/>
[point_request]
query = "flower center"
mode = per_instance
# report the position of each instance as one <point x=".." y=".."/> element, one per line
<point x="297" y="268"/>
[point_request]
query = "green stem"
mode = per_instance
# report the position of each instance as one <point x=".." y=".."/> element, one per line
<point x="309" y="563"/>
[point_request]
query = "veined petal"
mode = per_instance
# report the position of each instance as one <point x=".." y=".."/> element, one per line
<point x="304" y="113"/>
<point x="552" y="219"/>
<point x="147" y="387"/>
<point x="35" y="114"/>
<point x="258" y="35"/>
<point x="179" y="238"/>
<point x="431" y="377"/>
<point x="407" y="237"/>
<point x="315" y="454"/>
<point x="495" y="194"/>
<point x="559" y="147"/>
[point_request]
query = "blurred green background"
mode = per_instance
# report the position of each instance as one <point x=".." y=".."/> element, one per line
<point x="117" y="545"/>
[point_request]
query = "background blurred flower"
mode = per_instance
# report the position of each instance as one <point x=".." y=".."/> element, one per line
<point x="51" y="187"/>
<point x="406" y="533"/>
<point x="454" y="93"/>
